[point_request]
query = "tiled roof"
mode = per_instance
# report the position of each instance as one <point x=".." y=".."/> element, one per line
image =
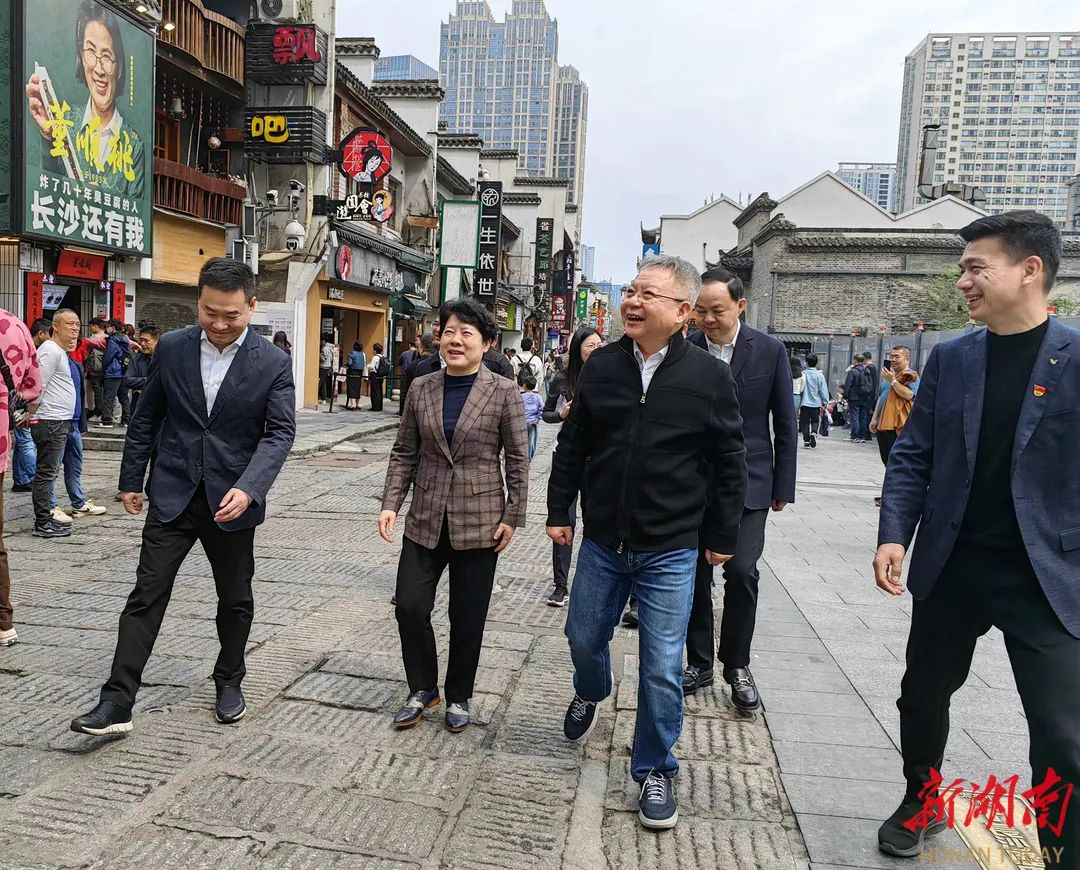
<point x="460" y="140"/>
<point x="514" y="198"/>
<point x="453" y="179"/>
<point x="499" y="154"/>
<point x="356" y="46"/>
<point x="571" y="208"/>
<point x="378" y="107"/>
<point x="427" y="89"/>
<point x="876" y="241"/>
<point x="540" y="181"/>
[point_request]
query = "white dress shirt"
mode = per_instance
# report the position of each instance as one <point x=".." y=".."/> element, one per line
<point x="724" y="351"/>
<point x="649" y="366"/>
<point x="215" y="365"/>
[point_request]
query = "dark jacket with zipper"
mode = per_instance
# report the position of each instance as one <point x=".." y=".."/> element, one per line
<point x="655" y="461"/>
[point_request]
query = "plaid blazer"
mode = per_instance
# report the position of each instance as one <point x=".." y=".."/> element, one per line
<point x="462" y="480"/>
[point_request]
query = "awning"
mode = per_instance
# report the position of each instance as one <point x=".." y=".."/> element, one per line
<point x="417" y="306"/>
<point x="405" y="255"/>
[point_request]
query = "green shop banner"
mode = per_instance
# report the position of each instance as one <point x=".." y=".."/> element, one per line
<point x="87" y="88"/>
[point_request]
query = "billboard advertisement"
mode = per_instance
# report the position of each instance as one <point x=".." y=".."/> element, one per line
<point x="87" y="91"/>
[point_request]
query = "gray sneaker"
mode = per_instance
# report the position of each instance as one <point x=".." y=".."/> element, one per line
<point x="51" y="529"/>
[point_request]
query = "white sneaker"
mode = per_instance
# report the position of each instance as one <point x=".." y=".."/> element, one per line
<point x="60" y="516"/>
<point x="89" y="509"/>
<point x="7" y="638"/>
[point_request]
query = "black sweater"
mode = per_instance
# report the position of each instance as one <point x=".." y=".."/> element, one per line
<point x="655" y="461"/>
<point x="559" y="389"/>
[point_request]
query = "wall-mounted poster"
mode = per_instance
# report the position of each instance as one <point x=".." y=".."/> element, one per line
<point x="88" y="113"/>
<point x="366" y="156"/>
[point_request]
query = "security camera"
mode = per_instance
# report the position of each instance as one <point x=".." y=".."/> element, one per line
<point x="271" y="197"/>
<point x="295" y="236"/>
<point x="297" y="186"/>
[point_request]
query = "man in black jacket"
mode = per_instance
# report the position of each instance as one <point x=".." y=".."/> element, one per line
<point x="651" y="413"/>
<point x="759" y="364"/>
<point x="139" y="370"/>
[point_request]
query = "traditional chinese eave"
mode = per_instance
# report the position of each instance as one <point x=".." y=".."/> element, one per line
<point x="403" y="136"/>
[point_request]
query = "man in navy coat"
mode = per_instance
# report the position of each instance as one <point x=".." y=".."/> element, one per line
<point x="759" y="364"/>
<point x="219" y="406"/>
<point x="988" y="468"/>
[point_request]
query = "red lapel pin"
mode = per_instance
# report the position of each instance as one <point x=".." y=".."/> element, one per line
<point x="1039" y="391"/>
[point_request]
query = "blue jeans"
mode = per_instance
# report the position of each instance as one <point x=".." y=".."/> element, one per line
<point x="664" y="585"/>
<point x="73" y="462"/>
<point x="23" y="457"/>
<point x="860" y="419"/>
<point x="533" y="430"/>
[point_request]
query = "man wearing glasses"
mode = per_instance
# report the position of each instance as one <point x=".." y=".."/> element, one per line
<point x="105" y="151"/>
<point x="650" y="412"/>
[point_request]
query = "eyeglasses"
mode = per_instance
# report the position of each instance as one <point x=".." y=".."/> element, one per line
<point x="92" y="59"/>
<point x="647" y="297"/>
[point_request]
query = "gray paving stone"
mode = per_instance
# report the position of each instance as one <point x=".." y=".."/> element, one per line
<point x="287" y="756"/>
<point x="817" y="703"/>
<point x="706" y="788"/>
<point x="339" y="690"/>
<point x="517" y="816"/>
<point x="781" y="678"/>
<point x="744" y="741"/>
<point x="851" y="798"/>
<point x="696" y="843"/>
<point x="847" y="762"/>
<point x="363" y="823"/>
<point x="859" y="730"/>
<point x="853" y="842"/>
<point x="427" y="781"/>
<point x="21" y="769"/>
<point x="175" y="849"/>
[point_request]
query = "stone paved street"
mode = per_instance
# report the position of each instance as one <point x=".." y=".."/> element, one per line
<point x="314" y="777"/>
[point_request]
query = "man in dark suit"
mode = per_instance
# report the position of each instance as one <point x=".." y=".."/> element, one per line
<point x="219" y="409"/>
<point x="987" y="467"/>
<point x="759" y="364"/>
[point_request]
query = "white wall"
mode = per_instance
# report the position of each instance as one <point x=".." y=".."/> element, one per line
<point x="711" y="226"/>
<point x="947" y="213"/>
<point x="828" y="202"/>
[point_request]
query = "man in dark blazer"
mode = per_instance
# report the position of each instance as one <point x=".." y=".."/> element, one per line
<point x="988" y="467"/>
<point x="219" y="409"/>
<point x="759" y="364"/>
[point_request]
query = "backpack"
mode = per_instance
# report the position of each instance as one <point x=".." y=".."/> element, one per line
<point x="526" y="370"/>
<point x="865" y="384"/>
<point x="95" y="361"/>
<point x="383" y="368"/>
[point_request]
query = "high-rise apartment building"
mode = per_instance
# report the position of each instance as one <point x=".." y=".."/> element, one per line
<point x="403" y="67"/>
<point x="875" y="181"/>
<point x="503" y="82"/>
<point x="571" y="115"/>
<point x="588" y="262"/>
<point x="1009" y="109"/>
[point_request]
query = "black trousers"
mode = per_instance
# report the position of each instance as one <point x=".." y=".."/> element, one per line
<point x="885" y="442"/>
<point x="472" y="574"/>
<point x="377" y="393"/>
<point x="809" y="419"/>
<point x="740" y="600"/>
<point x="561" y="554"/>
<point x="114" y="391"/>
<point x="978" y="590"/>
<point x="164" y="548"/>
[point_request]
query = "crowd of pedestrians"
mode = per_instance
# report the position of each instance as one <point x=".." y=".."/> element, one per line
<point x="675" y="446"/>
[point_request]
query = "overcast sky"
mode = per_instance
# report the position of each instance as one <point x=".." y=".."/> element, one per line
<point x="689" y="98"/>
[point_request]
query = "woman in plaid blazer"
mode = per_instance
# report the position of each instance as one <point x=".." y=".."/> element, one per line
<point x="456" y="425"/>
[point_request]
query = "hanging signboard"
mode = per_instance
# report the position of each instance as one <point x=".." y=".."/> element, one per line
<point x="86" y="140"/>
<point x="459" y="233"/>
<point x="366" y="156"/>
<point x="364" y="206"/>
<point x="285" y="54"/>
<point x="545" y="229"/>
<point x="288" y="134"/>
<point x="558" y="312"/>
<point x="581" y="310"/>
<point x="490" y="251"/>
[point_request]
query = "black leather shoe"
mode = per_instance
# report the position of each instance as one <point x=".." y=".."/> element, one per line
<point x="744" y="693"/>
<point x="457" y="716"/>
<point x="630" y="618"/>
<point x="895" y="839"/>
<point x="230" y="705"/>
<point x="105" y="718"/>
<point x="696" y="678"/>
<point x="415" y="705"/>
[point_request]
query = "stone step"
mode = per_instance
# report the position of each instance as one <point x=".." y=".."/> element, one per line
<point x="105" y="440"/>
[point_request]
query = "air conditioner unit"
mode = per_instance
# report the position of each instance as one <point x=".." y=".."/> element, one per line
<point x="285" y="10"/>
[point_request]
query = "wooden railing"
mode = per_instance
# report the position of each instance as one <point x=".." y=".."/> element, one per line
<point x="188" y="191"/>
<point x="214" y="41"/>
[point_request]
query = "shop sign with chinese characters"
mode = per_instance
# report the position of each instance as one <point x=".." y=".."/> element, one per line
<point x="87" y="154"/>
<point x="364" y="206"/>
<point x="486" y="274"/>
<point x="285" y="53"/>
<point x="384" y="280"/>
<point x="545" y="229"/>
<point x="558" y="312"/>
<point x="288" y="134"/>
